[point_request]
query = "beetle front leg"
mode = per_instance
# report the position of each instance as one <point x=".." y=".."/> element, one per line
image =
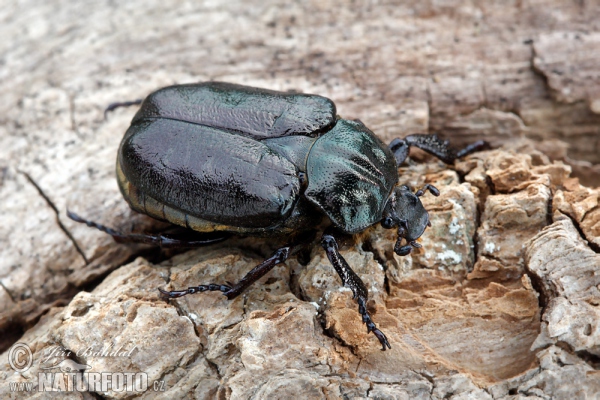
<point x="353" y="282"/>
<point x="407" y="248"/>
<point x="432" y="189"/>
<point x="398" y="248"/>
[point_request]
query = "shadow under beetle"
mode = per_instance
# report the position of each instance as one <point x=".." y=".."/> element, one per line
<point x="220" y="157"/>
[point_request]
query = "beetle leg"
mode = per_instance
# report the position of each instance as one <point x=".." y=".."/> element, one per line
<point x="234" y="290"/>
<point x="352" y="281"/>
<point x="406" y="249"/>
<point x="159" y="240"/>
<point x="416" y="244"/>
<point x="400" y="149"/>
<point x="432" y="144"/>
<point x="114" y="106"/>
<point x="259" y="271"/>
<point x="432" y="189"/>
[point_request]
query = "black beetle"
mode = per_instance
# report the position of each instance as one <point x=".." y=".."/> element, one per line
<point x="223" y="157"/>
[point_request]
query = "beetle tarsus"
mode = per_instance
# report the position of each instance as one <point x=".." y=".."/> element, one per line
<point x="407" y="248"/>
<point x="402" y="250"/>
<point x="371" y="327"/>
<point x="352" y="281"/>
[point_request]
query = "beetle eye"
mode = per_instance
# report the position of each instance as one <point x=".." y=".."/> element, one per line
<point x="387" y="223"/>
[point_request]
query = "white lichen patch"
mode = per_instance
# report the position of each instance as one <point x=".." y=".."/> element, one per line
<point x="450" y="255"/>
<point x="454" y="226"/>
<point x="490" y="247"/>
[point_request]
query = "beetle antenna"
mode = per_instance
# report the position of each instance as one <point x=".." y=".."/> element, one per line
<point x="428" y="187"/>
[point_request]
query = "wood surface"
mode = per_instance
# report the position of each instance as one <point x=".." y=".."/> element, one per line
<point x="501" y="303"/>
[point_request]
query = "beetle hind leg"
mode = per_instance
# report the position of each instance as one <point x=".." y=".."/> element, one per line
<point x="352" y="281"/>
<point x="114" y="106"/>
<point x="159" y="240"/>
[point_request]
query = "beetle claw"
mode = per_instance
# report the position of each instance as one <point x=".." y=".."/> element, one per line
<point x="371" y="327"/>
<point x="382" y="339"/>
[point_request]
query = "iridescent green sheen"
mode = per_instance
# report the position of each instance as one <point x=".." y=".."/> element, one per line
<point x="351" y="174"/>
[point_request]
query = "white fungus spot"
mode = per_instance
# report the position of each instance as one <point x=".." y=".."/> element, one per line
<point x="490" y="247"/>
<point x="454" y="226"/>
<point x="449" y="255"/>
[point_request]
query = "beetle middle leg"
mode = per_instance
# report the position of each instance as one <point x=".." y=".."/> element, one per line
<point x="432" y="144"/>
<point x="352" y="281"/>
<point x="280" y="255"/>
<point x="232" y="292"/>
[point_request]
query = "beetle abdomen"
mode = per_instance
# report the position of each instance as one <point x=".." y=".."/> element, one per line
<point x="351" y="173"/>
<point x="253" y="112"/>
<point x="208" y="173"/>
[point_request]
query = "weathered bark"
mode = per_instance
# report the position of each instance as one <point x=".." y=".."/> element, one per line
<point x="500" y="302"/>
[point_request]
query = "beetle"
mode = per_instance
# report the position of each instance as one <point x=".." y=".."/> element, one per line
<point x="221" y="157"/>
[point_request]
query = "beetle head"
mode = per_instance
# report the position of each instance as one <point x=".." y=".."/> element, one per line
<point x="405" y="211"/>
